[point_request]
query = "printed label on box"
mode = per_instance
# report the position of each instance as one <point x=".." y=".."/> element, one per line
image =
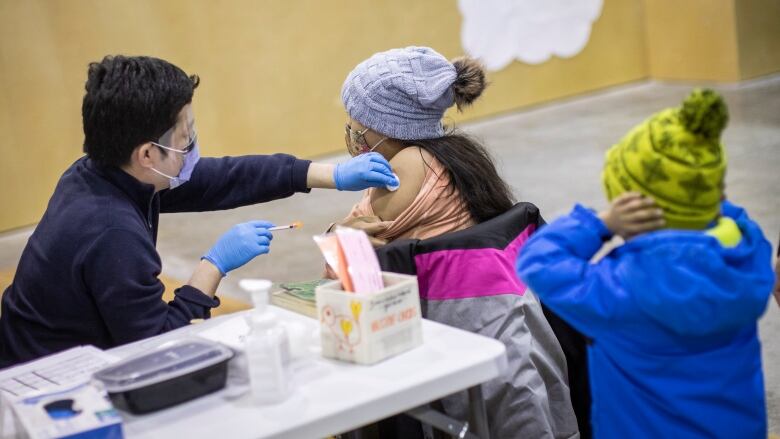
<point x="366" y="328"/>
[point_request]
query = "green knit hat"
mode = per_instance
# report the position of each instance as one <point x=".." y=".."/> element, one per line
<point x="676" y="158"/>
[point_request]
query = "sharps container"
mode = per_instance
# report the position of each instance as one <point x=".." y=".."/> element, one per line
<point x="167" y="376"/>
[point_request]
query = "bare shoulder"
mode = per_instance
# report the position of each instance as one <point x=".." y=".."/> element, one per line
<point x="410" y="167"/>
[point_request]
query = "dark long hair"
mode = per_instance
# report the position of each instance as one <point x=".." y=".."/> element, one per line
<point x="472" y="173"/>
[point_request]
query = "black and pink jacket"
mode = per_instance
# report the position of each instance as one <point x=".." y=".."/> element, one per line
<point x="467" y="280"/>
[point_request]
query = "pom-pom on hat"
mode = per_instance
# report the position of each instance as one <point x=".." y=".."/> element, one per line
<point x="676" y="158"/>
<point x="403" y="93"/>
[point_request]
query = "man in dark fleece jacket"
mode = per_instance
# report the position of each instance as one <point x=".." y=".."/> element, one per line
<point x="88" y="274"/>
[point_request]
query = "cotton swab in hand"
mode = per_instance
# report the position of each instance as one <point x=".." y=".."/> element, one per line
<point x="294" y="225"/>
<point x="394" y="188"/>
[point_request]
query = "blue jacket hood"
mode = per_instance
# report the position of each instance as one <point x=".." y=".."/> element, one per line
<point x="689" y="283"/>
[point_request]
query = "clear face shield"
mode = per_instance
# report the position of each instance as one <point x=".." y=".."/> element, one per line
<point x="190" y="153"/>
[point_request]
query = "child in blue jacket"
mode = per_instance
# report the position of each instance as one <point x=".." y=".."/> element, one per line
<point x="671" y="313"/>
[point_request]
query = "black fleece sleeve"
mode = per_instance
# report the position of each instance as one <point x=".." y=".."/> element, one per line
<point x="120" y="272"/>
<point x="230" y="182"/>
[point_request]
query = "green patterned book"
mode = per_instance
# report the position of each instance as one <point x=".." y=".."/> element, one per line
<point x="298" y="296"/>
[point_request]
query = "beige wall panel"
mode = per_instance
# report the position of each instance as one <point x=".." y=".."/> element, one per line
<point x="691" y="39"/>
<point x="271" y="72"/>
<point x="758" y="35"/>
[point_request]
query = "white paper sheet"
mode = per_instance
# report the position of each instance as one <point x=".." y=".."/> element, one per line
<point x="62" y="370"/>
<point x="56" y="372"/>
<point x="231" y="333"/>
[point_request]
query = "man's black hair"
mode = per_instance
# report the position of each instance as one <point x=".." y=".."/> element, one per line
<point x="131" y="101"/>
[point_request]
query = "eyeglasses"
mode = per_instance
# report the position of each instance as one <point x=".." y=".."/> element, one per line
<point x="356" y="141"/>
<point x="354" y="136"/>
<point x="186" y="150"/>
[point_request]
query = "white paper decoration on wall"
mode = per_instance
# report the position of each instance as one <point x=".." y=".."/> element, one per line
<point x="531" y="31"/>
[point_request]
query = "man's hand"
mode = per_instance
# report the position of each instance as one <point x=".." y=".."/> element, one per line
<point x="363" y="172"/>
<point x="240" y="245"/>
<point x="631" y="214"/>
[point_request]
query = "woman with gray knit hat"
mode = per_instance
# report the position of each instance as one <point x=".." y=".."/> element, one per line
<point x="395" y="101"/>
<point x="450" y="194"/>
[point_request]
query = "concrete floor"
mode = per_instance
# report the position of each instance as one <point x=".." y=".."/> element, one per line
<point x="551" y="155"/>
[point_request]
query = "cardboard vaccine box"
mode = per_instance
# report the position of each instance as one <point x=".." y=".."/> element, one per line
<point x="365" y="328"/>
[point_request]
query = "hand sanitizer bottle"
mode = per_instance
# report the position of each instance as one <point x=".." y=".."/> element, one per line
<point x="267" y="347"/>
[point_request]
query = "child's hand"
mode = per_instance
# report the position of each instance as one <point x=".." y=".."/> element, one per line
<point x="631" y="214"/>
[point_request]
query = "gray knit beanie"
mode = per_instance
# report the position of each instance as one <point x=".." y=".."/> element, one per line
<point x="403" y="93"/>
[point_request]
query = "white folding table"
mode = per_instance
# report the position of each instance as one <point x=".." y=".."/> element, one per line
<point x="332" y="397"/>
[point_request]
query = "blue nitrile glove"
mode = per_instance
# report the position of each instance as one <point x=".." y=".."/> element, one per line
<point x="363" y="172"/>
<point x="240" y="245"/>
